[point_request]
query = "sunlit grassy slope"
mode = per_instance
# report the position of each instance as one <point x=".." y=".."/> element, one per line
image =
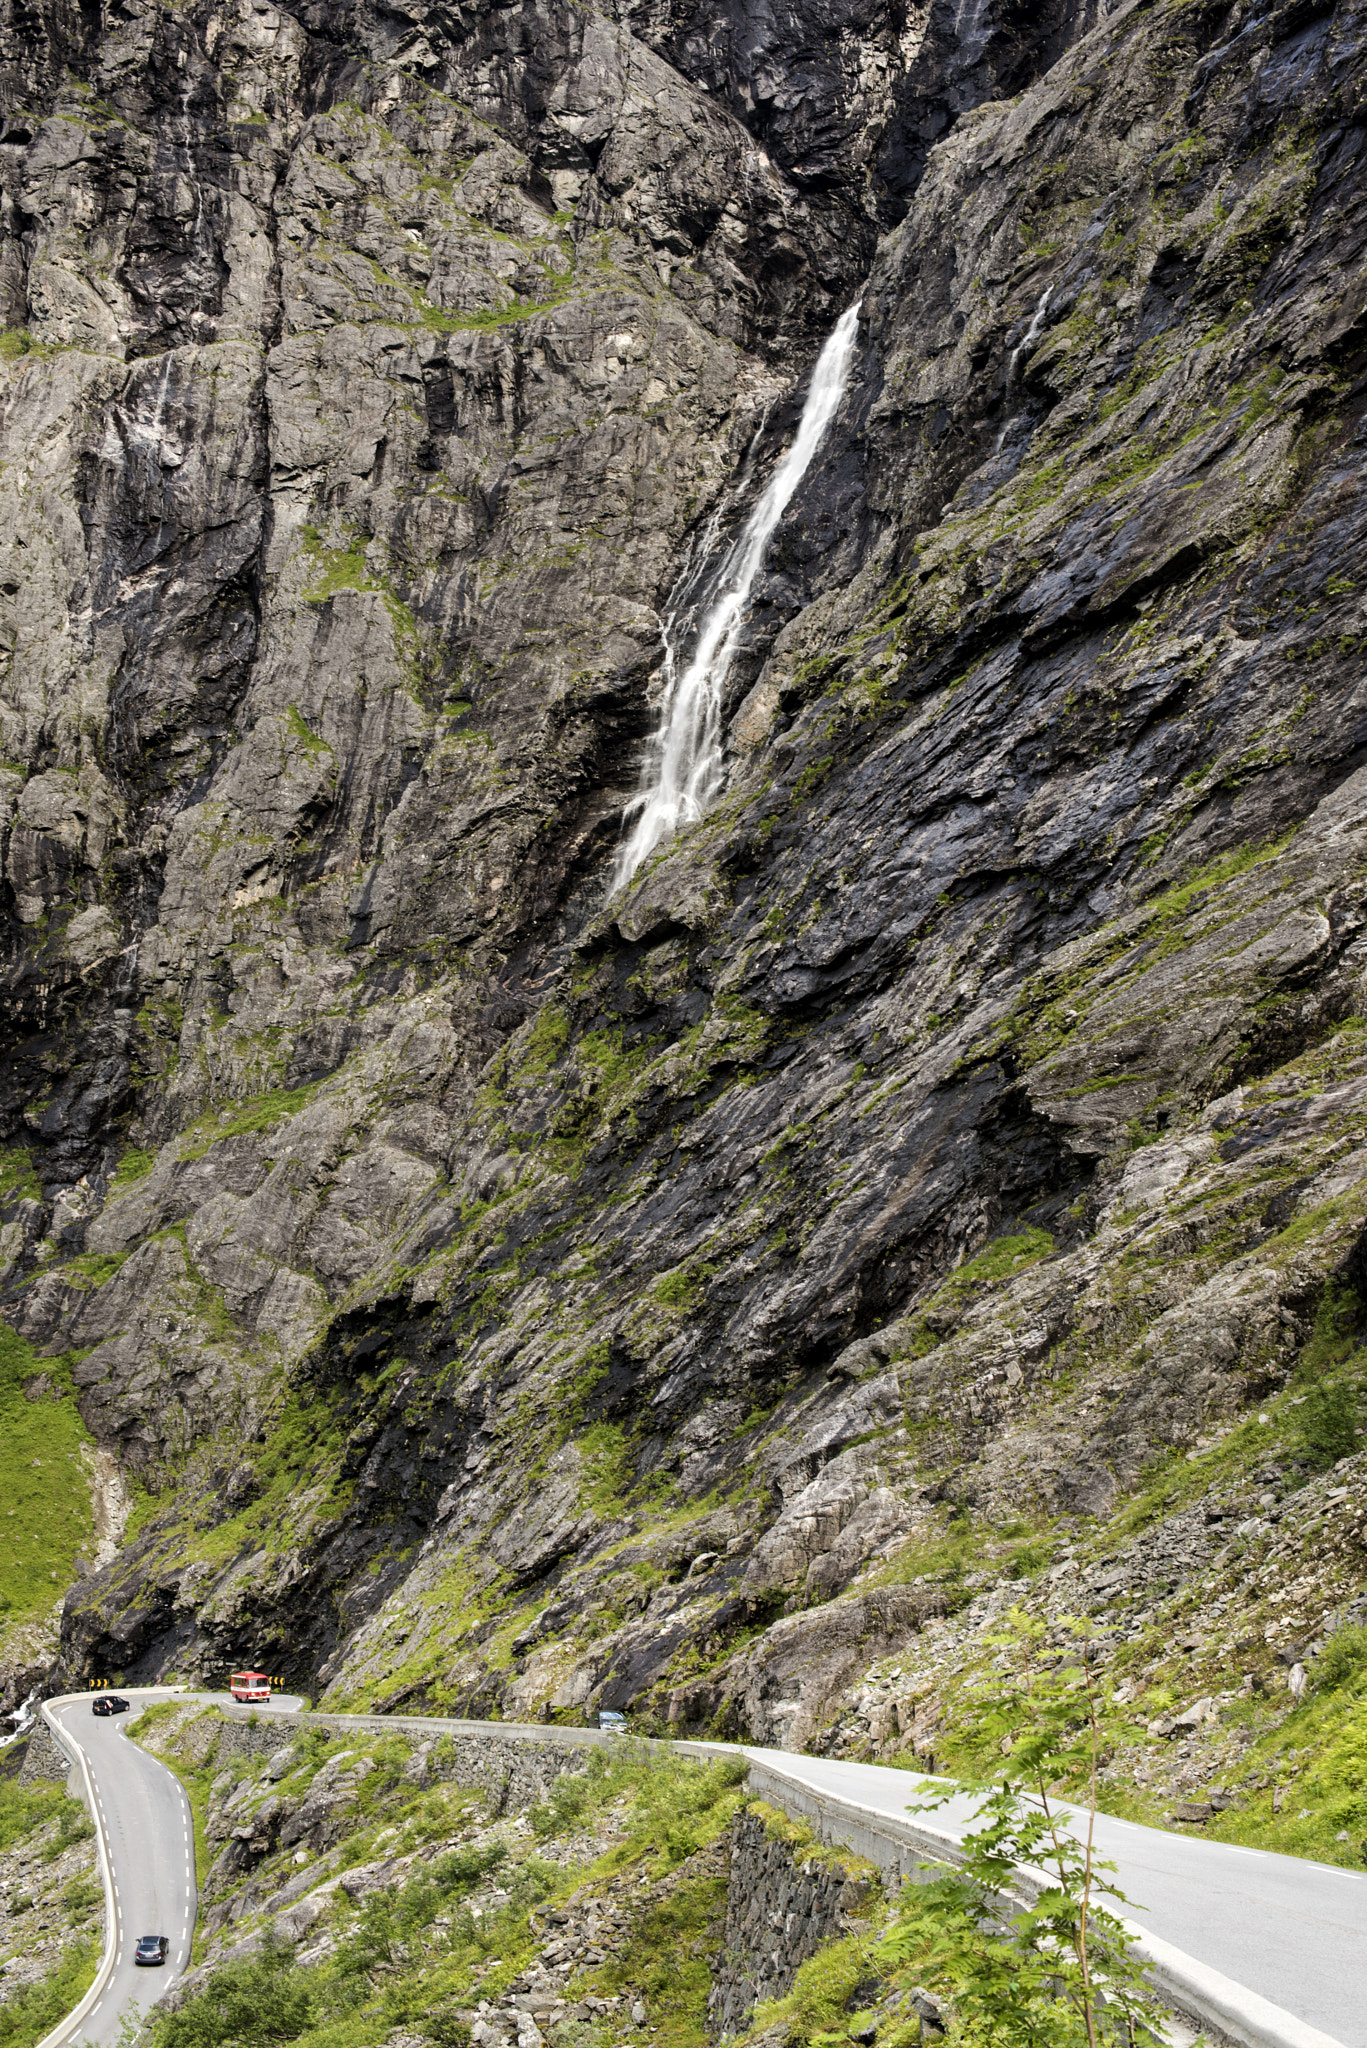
<point x="45" y="1512"/>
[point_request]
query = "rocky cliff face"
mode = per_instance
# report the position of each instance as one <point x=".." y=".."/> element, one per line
<point x="518" y="1295"/>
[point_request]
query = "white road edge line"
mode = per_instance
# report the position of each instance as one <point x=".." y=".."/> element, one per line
<point x="67" y="1742"/>
<point x="1244" y="2015"/>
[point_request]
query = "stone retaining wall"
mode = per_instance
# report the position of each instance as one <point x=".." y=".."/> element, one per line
<point x="45" y="1761"/>
<point x="782" y="1903"/>
<point x="785" y="1898"/>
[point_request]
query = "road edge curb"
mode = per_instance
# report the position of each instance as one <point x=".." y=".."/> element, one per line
<point x="1243" y="2016"/>
<point x="67" y="1744"/>
<point x="1246" y="2016"/>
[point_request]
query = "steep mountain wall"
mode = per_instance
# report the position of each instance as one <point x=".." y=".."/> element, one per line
<point x="512" y="1295"/>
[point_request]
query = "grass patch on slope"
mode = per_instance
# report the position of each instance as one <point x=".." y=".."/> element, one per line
<point x="298" y="1485"/>
<point x="18" y="1181"/>
<point x="46" y="1518"/>
<point x="826" y="1991"/>
<point x="33" y="2012"/>
<point x="667" y="1961"/>
<point x="26" y="1811"/>
<point x="261" y="1113"/>
<point x="134" y="1165"/>
<point x="1304" y="1790"/>
<point x="1001" y="1261"/>
<point x="26" y="1808"/>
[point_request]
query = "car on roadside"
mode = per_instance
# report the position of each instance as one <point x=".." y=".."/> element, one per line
<point x="151" y="1948"/>
<point x="109" y="1703"/>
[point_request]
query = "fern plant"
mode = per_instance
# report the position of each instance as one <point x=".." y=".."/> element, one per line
<point x="1044" y="1963"/>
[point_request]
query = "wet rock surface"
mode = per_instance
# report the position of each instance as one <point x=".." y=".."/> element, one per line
<point x="518" y="1298"/>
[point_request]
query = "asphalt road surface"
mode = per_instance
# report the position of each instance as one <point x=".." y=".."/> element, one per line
<point x="1291" y="1930"/>
<point x="144" y="1818"/>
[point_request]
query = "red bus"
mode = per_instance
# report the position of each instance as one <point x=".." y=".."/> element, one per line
<point x="249" y="1685"/>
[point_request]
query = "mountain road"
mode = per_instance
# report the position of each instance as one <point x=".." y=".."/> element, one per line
<point x="1274" y="1931"/>
<point x="143" y="1819"/>
<point x="1289" y="1930"/>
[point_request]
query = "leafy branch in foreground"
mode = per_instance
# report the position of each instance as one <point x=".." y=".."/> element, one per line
<point x="1039" y="1963"/>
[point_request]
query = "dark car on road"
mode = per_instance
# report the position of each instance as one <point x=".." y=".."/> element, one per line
<point x="151" y="1948"/>
<point x="109" y="1703"/>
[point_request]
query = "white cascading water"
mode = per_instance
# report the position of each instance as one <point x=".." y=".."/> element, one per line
<point x="22" y="1718"/>
<point x="1023" y="347"/>
<point x="684" y="767"/>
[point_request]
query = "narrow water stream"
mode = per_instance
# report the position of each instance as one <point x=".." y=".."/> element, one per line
<point x="684" y="766"/>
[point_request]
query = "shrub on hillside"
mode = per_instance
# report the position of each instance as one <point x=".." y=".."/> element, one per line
<point x="265" y="1999"/>
<point x="1341" y="1660"/>
<point x="1329" y="1424"/>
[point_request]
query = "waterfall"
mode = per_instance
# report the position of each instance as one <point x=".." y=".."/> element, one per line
<point x="22" y="1717"/>
<point x="1030" y="336"/>
<point x="684" y="765"/>
<point x="1023" y="347"/>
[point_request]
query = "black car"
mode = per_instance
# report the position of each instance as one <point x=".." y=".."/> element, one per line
<point x="151" y="1948"/>
<point x="109" y="1703"/>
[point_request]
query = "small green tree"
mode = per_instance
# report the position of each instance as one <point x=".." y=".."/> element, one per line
<point x="1060" y="1970"/>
